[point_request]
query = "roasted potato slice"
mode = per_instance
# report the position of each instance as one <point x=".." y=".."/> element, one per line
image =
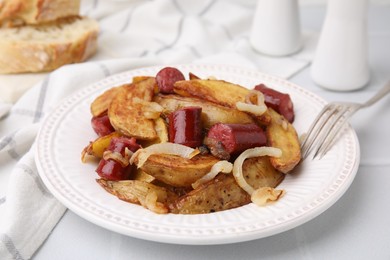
<point x="259" y="172"/>
<point x="150" y="196"/>
<point x="140" y="175"/>
<point x="217" y="91"/>
<point x="161" y="128"/>
<point x="281" y="134"/>
<point x="126" y="111"/>
<point x="177" y="171"/>
<point x="137" y="79"/>
<point x="224" y="193"/>
<point x="219" y="194"/>
<point x="102" y="102"/>
<point x="212" y="113"/>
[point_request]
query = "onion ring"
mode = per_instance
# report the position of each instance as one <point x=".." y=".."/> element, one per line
<point x="249" y="153"/>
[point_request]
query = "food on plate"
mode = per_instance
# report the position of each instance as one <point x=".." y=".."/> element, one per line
<point x="281" y="134"/>
<point x="217" y="91"/>
<point x="221" y="193"/>
<point x="211" y="113"/>
<point x="153" y="197"/>
<point x="101" y="125"/>
<point x="225" y="140"/>
<point x="99" y="145"/>
<point x="185" y="126"/>
<point x="176" y="170"/>
<point x="114" y="165"/>
<point x="278" y="101"/>
<point x="100" y="105"/>
<point x="166" y="78"/>
<point x="192" y="146"/>
<point x="127" y="110"/>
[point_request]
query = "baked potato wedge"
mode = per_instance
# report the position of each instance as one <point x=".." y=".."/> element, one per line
<point x="150" y="196"/>
<point x="259" y="172"/>
<point x="217" y="91"/>
<point x="212" y="113"/>
<point x="127" y="110"/>
<point x="161" y="128"/>
<point x="102" y="102"/>
<point x="140" y="175"/>
<point x="177" y="171"/>
<point x="281" y="134"/>
<point x="221" y="193"/>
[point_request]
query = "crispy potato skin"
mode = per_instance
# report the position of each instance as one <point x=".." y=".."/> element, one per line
<point x="135" y="191"/>
<point x="127" y="116"/>
<point x="219" y="194"/>
<point x="224" y="193"/>
<point x="178" y="171"/>
<point x="140" y="175"/>
<point x="212" y="113"/>
<point x="217" y="91"/>
<point x="102" y="102"/>
<point x="259" y="172"/>
<point x="281" y="134"/>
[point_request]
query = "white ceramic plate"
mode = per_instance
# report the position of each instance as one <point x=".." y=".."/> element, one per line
<point x="313" y="187"/>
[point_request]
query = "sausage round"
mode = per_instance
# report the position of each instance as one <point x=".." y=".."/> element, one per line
<point x="234" y="138"/>
<point x="166" y="78"/>
<point x="185" y="126"/>
<point x="278" y="101"/>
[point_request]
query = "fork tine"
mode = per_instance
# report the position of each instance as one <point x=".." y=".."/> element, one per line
<point x="332" y="128"/>
<point x="309" y="139"/>
<point x="315" y="129"/>
<point x="332" y="118"/>
<point x="325" y="146"/>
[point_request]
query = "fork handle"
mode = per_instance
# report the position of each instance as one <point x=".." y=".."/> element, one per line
<point x="383" y="92"/>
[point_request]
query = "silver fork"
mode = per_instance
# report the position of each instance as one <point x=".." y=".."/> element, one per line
<point x="330" y="121"/>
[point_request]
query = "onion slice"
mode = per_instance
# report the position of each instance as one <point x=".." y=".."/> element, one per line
<point x="249" y="153"/>
<point x="264" y="195"/>
<point x="151" y="203"/>
<point x="221" y="166"/>
<point x="163" y="148"/>
<point x="117" y="156"/>
<point x="256" y="109"/>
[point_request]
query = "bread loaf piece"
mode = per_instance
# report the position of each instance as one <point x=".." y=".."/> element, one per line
<point x="19" y="12"/>
<point x="45" y="47"/>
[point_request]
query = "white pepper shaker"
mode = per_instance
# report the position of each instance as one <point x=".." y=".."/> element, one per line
<point x="341" y="59"/>
<point x="276" y="27"/>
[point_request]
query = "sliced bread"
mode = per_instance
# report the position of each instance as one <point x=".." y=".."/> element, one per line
<point x="18" y="12"/>
<point x="45" y="47"/>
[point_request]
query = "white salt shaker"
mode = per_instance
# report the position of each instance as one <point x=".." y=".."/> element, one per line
<point x="276" y="27"/>
<point x="341" y="59"/>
